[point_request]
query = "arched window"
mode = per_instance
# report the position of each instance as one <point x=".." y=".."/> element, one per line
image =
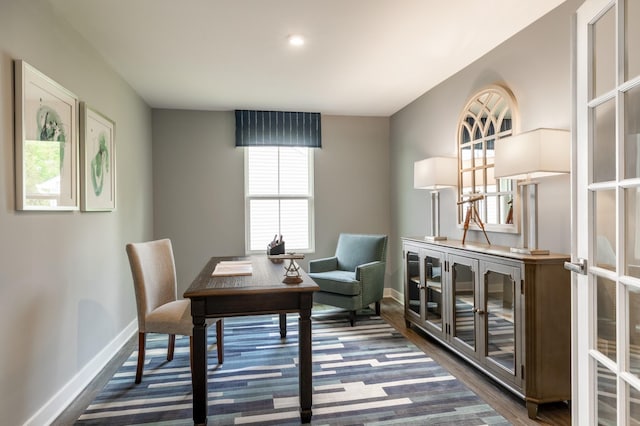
<point x="488" y="115"/>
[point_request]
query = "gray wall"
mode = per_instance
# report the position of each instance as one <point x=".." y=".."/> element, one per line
<point x="535" y="65"/>
<point x="65" y="286"/>
<point x="199" y="184"/>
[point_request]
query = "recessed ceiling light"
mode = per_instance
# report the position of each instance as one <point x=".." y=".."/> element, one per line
<point x="296" y="40"/>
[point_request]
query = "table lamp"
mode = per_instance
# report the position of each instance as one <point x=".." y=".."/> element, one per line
<point x="435" y="173"/>
<point x="532" y="155"/>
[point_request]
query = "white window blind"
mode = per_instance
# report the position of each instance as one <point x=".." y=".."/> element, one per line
<point x="279" y="197"/>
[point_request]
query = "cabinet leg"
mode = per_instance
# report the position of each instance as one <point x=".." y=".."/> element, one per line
<point x="407" y="324"/>
<point x="532" y="409"/>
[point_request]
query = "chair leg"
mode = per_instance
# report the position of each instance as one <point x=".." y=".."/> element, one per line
<point x="352" y="318"/>
<point x="171" y="347"/>
<point x="220" y="340"/>
<point x="141" y="344"/>
<point x="378" y="308"/>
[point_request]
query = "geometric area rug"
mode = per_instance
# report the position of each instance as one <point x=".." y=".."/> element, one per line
<point x="363" y="375"/>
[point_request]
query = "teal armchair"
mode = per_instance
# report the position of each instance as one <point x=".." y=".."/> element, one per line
<point x="353" y="278"/>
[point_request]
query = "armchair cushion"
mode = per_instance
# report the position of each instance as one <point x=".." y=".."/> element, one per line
<point x="340" y="282"/>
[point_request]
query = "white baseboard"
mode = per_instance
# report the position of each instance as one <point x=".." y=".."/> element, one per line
<point x="394" y="294"/>
<point x="65" y="396"/>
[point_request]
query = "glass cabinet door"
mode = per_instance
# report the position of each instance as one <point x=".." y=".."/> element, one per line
<point x="500" y="309"/>
<point x="464" y="292"/>
<point x="433" y="276"/>
<point x="413" y="283"/>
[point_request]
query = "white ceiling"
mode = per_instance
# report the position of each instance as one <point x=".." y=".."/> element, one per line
<point x="361" y="57"/>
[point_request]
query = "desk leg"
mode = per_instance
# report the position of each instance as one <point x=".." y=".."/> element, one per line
<point x="283" y="326"/>
<point x="199" y="368"/>
<point x="304" y="342"/>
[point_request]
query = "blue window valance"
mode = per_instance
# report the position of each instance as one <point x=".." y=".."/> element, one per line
<point x="278" y="128"/>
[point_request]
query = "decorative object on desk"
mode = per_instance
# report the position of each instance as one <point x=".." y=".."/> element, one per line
<point x="435" y="173"/>
<point x="531" y="155"/>
<point x="46" y="142"/>
<point x="472" y="213"/>
<point x="276" y="246"/>
<point x="292" y="274"/>
<point x="259" y="389"/>
<point x="97" y="165"/>
<point x="233" y="268"/>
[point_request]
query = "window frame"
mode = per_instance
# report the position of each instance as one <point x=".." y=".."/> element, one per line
<point x="486" y="166"/>
<point x="308" y="197"/>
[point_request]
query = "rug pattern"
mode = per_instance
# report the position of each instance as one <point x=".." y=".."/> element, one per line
<point x="367" y="374"/>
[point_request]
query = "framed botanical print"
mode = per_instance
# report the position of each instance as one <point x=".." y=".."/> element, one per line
<point x="46" y="142"/>
<point x="98" y="160"/>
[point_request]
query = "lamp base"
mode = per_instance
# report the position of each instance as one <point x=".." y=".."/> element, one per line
<point x="530" y="251"/>
<point x="435" y="238"/>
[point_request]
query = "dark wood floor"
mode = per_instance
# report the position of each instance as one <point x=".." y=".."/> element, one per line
<point x="504" y="402"/>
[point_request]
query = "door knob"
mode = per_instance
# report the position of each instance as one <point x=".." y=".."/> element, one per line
<point x="579" y="267"/>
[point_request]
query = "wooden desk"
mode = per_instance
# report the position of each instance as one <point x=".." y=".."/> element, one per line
<point x="260" y="293"/>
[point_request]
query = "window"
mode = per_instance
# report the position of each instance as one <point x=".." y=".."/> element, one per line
<point x="489" y="115"/>
<point x="279" y="197"/>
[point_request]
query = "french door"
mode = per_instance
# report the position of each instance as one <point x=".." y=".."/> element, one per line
<point x="606" y="206"/>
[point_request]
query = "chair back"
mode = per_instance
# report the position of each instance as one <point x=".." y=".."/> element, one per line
<point x="357" y="249"/>
<point x="154" y="275"/>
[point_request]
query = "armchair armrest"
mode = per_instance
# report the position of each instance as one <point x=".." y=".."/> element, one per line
<point x="323" y="265"/>
<point x="370" y="272"/>
<point x="371" y="276"/>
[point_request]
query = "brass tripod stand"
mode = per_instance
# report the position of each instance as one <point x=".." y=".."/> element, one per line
<point x="472" y="213"/>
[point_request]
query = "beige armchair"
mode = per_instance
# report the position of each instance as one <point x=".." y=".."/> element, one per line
<point x="159" y="310"/>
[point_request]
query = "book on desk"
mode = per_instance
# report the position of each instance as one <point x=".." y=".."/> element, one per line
<point x="233" y="268"/>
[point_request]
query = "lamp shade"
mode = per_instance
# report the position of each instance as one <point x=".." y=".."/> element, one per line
<point x="435" y="172"/>
<point x="534" y="154"/>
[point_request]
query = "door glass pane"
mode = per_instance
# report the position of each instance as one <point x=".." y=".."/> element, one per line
<point x="632" y="37"/>
<point x="607" y="396"/>
<point x="605" y="216"/>
<point x="632" y="133"/>
<point x="634" y="406"/>
<point x="506" y="209"/>
<point x="632" y="231"/>
<point x="633" y="354"/>
<point x="464" y="315"/>
<point x="413" y="282"/>
<point x="433" y="278"/>
<point x="604" y="139"/>
<point x="500" y="320"/>
<point x="606" y="316"/>
<point x="604" y="54"/>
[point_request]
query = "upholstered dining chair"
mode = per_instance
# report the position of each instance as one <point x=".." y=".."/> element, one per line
<point x="353" y="278"/>
<point x="159" y="309"/>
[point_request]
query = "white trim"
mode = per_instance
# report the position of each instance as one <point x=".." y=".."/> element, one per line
<point x="394" y="294"/>
<point x="66" y="395"/>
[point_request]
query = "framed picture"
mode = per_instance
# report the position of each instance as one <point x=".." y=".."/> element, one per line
<point x="98" y="160"/>
<point x="46" y="142"/>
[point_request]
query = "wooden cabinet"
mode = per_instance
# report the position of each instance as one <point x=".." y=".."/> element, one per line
<point x="506" y="313"/>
